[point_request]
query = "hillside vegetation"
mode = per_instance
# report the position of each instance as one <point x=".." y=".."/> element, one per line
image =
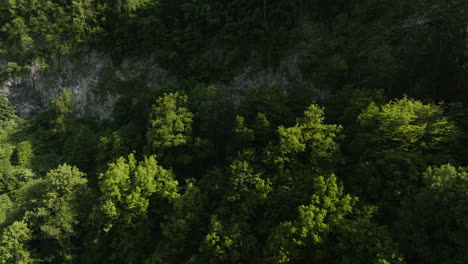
<point x="375" y="173"/>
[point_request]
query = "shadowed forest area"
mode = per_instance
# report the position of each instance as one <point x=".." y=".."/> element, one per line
<point x="376" y="172"/>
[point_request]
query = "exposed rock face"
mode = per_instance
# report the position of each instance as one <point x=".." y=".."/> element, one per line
<point x="285" y="74"/>
<point x="80" y="76"/>
<point x="26" y="100"/>
<point x="31" y="93"/>
<point x="147" y="69"/>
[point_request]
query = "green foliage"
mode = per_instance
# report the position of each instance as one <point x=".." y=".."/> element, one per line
<point x="13" y="244"/>
<point x="327" y="208"/>
<point x="128" y="5"/>
<point x="24" y="154"/>
<point x="213" y="112"/>
<point x="80" y="148"/>
<point x="309" y="137"/>
<point x="13" y="174"/>
<point x="272" y="102"/>
<point x="8" y="181"/>
<point x="110" y="148"/>
<point x="349" y="103"/>
<point x="179" y="227"/>
<point x="6" y="111"/>
<point x="6" y="206"/>
<point x="363" y="241"/>
<point x="260" y="182"/>
<point x="127" y="189"/>
<point x="11" y="177"/>
<point x="406" y="125"/>
<point x="170" y="123"/>
<point x="33" y="28"/>
<point x="242" y="133"/>
<point x="58" y="136"/>
<point x="440" y="206"/>
<point x="53" y="208"/>
<point x="127" y="186"/>
<point x="227" y="243"/>
<point x="394" y="143"/>
<point x="246" y="187"/>
<point x="457" y="113"/>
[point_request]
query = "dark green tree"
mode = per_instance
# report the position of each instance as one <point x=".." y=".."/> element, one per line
<point x="393" y="144"/>
<point x="432" y="224"/>
<point x="53" y="207"/>
<point x="295" y="241"/>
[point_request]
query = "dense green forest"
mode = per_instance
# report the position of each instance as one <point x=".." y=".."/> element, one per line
<point x="377" y="173"/>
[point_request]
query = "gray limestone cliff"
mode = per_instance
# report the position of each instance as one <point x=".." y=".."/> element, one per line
<point x="30" y="93"/>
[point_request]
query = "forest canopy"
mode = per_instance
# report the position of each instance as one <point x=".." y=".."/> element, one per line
<point x="182" y="173"/>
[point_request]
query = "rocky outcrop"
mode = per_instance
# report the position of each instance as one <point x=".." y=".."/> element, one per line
<point x="287" y="74"/>
<point x="81" y="76"/>
<point x="31" y="93"/>
<point x="23" y="96"/>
